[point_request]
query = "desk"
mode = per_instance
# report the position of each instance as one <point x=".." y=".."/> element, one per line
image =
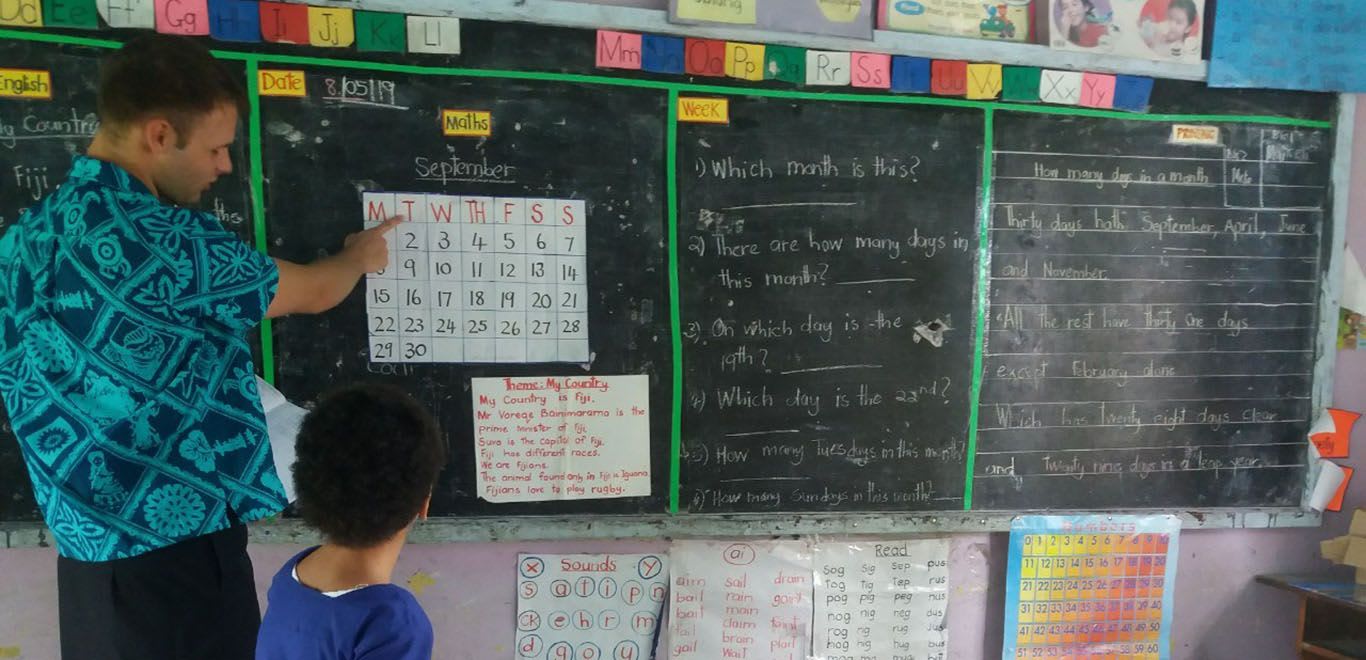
<point x="1332" y="614"/>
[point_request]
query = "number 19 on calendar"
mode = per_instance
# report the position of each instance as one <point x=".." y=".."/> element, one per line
<point x="479" y="279"/>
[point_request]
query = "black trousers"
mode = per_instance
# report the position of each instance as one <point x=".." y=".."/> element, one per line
<point x="195" y="600"/>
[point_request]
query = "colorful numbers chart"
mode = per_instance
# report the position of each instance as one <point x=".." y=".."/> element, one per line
<point x="589" y="607"/>
<point x="479" y="279"/>
<point x="1090" y="587"/>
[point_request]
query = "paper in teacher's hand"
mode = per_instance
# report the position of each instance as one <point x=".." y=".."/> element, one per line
<point x="282" y="425"/>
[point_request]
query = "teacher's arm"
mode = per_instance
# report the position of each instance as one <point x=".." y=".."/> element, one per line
<point x="323" y="284"/>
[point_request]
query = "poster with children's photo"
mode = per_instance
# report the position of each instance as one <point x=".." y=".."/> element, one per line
<point x="1167" y="30"/>
<point x="1351" y="329"/>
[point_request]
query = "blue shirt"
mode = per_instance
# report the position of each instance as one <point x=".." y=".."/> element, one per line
<point x="378" y="622"/>
<point x="125" y="369"/>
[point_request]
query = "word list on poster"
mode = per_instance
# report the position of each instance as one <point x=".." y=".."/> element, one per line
<point x="562" y="437"/>
<point x="589" y="607"/>
<point x="740" y="600"/>
<point x="479" y="279"/>
<point x="881" y="600"/>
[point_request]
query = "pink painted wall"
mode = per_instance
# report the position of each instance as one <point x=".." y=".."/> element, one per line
<point x="1219" y="612"/>
<point x="470" y="597"/>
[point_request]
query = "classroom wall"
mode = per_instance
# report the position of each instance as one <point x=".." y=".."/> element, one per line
<point x="468" y="588"/>
<point x="643" y="4"/>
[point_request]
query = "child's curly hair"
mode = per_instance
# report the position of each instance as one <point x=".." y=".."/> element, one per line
<point x="368" y="458"/>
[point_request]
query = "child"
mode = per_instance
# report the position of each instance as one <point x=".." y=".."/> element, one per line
<point x="368" y="458"/>
<point x="1174" y="35"/>
<point x="1081" y="24"/>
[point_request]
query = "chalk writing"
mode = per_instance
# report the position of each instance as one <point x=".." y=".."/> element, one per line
<point x="1152" y="314"/>
<point x="802" y="265"/>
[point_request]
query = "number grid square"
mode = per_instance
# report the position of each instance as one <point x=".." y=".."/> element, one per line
<point x="1088" y="595"/>
<point x="479" y="279"/>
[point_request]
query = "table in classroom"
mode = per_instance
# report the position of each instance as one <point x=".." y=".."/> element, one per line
<point x="1332" y="613"/>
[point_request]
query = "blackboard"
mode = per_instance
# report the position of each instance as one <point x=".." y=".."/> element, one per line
<point x="1153" y="314"/>
<point x="553" y="140"/>
<point x="828" y="267"/>
<point x="711" y="245"/>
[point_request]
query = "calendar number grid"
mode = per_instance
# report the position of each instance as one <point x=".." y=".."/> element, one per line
<point x="479" y="279"/>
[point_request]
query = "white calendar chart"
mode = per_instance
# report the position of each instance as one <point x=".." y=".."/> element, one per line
<point x="479" y="279"/>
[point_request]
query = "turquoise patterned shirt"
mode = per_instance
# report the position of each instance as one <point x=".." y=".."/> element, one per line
<point x="125" y="369"/>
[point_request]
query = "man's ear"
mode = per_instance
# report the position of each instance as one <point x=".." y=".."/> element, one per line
<point x="158" y="135"/>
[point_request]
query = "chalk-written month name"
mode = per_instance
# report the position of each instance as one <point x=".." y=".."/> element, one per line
<point x="1163" y="222"/>
<point x="454" y="168"/>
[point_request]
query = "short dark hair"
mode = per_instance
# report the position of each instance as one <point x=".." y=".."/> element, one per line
<point x="168" y="76"/>
<point x="367" y="458"/>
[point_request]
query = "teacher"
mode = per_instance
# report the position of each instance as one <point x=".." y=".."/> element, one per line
<point x="126" y="373"/>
